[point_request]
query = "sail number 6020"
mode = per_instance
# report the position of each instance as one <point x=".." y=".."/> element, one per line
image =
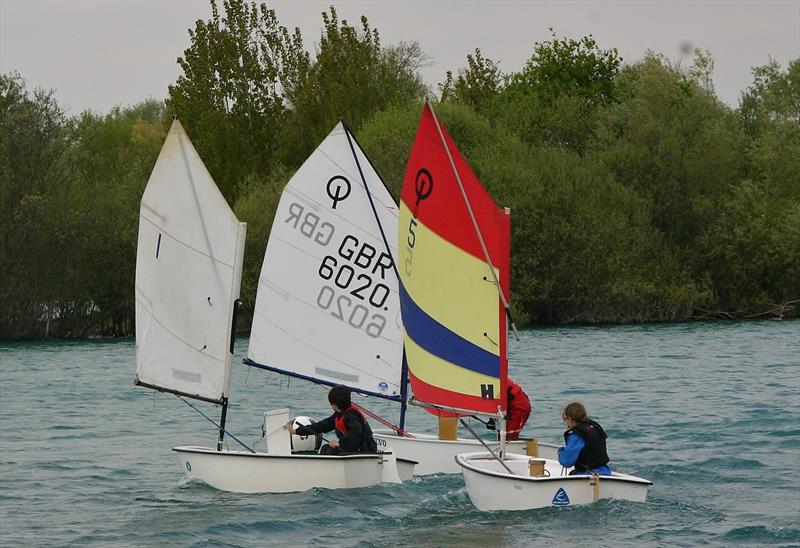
<point x="342" y="308"/>
<point x="343" y="277"/>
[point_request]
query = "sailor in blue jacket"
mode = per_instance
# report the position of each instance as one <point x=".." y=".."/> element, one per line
<point x="585" y="441"/>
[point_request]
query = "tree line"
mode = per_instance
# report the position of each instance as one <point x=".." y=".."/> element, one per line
<point x="636" y="194"/>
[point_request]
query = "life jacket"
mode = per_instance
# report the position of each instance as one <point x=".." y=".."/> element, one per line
<point x="367" y="441"/>
<point x="517" y="399"/>
<point x="593" y="455"/>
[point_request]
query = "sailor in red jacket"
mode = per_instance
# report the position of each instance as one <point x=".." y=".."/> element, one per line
<point x="519" y="409"/>
<point x="353" y="433"/>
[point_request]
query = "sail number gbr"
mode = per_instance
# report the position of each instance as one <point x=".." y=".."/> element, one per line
<point x="359" y="288"/>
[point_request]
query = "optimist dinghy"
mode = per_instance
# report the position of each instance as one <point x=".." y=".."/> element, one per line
<point x="188" y="273"/>
<point x="454" y="264"/>
<point x="454" y="323"/>
<point x="523" y="483"/>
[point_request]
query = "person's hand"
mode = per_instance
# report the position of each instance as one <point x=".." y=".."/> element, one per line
<point x="334" y="443"/>
<point x="289" y="426"/>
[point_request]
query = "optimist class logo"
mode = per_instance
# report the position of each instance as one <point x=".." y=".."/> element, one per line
<point x="561" y="498"/>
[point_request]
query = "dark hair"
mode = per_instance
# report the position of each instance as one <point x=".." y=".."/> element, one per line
<point x="340" y="397"/>
<point x="576" y="411"/>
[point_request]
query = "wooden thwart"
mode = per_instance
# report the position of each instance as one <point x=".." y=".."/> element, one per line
<point x="536" y="467"/>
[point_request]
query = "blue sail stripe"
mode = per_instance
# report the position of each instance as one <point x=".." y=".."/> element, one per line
<point x="443" y="343"/>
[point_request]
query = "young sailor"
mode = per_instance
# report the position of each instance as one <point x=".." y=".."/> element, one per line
<point x="585" y="443"/>
<point x="353" y="433"/>
<point x="519" y="409"/>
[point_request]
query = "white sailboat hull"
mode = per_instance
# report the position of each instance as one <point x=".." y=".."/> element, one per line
<point x="435" y="456"/>
<point x="243" y="472"/>
<point x="491" y="487"/>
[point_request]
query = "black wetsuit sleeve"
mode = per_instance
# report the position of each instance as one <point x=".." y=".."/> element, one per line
<point x="354" y="439"/>
<point x="321" y="427"/>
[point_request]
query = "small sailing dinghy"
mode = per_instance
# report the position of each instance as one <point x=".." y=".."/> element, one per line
<point x="188" y="274"/>
<point x="454" y="324"/>
<point x="454" y="262"/>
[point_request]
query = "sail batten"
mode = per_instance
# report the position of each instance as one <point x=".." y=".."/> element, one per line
<point x="453" y="254"/>
<point x="327" y="307"/>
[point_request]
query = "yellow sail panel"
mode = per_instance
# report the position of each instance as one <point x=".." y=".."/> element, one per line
<point x="435" y="371"/>
<point x="450" y="285"/>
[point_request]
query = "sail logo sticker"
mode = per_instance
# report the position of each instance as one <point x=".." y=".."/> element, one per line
<point x="560" y="498"/>
<point x="423" y="185"/>
<point x="338" y="192"/>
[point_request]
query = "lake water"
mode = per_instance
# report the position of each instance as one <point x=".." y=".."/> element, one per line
<point x="710" y="412"/>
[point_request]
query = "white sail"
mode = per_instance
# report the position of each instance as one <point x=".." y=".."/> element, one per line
<point x="327" y="306"/>
<point x="188" y="273"/>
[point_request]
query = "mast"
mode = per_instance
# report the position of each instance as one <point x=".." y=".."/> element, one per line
<point x="404" y="393"/>
<point x="404" y="371"/>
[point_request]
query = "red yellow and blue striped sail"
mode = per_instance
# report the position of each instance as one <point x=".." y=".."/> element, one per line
<point x="454" y="319"/>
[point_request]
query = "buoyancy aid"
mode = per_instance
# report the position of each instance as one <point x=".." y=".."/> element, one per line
<point x="367" y="440"/>
<point x="594" y="454"/>
<point x="517" y="399"/>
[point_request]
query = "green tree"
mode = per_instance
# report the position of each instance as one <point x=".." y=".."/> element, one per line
<point x="555" y="98"/>
<point x="230" y="95"/>
<point x="352" y="77"/>
<point x="477" y="85"/>
<point x="35" y="150"/>
<point x="116" y="153"/>
<point x="676" y="144"/>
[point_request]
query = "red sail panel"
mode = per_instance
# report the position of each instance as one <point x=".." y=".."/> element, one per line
<point x="443" y="211"/>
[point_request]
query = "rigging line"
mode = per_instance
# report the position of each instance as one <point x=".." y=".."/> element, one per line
<point x="240" y="442"/>
<point x="499" y="459"/>
<point x="381" y="420"/>
<point x="369" y="195"/>
<point x="474" y="221"/>
<point x="290" y="374"/>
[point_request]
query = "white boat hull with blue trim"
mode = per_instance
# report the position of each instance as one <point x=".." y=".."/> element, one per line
<point x="491" y="487"/>
<point x="244" y="472"/>
<point x="437" y="456"/>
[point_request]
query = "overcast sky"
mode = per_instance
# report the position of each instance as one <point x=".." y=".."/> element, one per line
<point x="97" y="54"/>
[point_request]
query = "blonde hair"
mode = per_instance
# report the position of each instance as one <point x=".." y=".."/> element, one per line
<point x="575" y="411"/>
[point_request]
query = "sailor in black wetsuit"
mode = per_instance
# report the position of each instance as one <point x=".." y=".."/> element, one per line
<point x="585" y="443"/>
<point x="353" y="432"/>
